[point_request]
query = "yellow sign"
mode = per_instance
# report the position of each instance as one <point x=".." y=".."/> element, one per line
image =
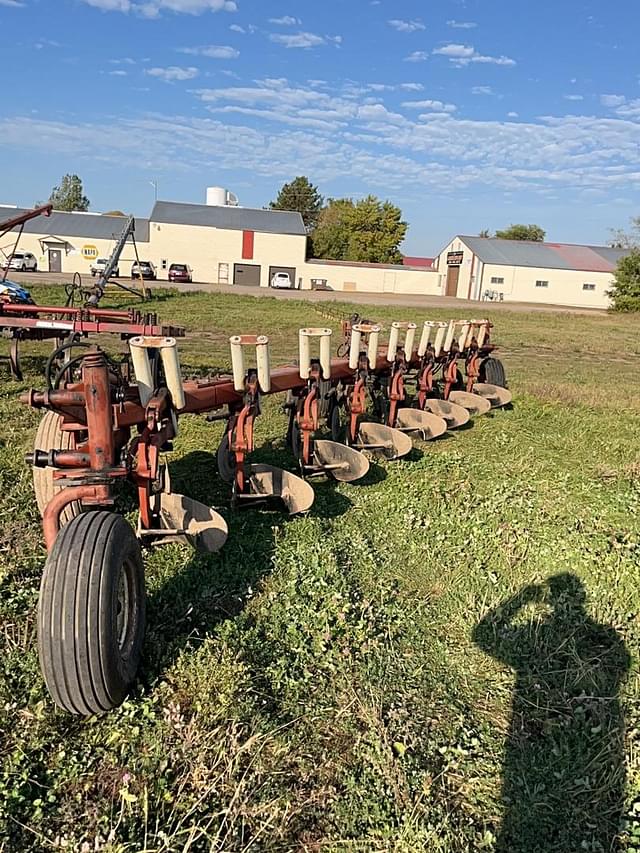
<point x="89" y="252"/>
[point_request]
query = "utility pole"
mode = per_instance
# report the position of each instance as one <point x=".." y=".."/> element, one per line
<point x="154" y="184"/>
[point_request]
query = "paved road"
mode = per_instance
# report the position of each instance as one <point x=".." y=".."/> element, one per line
<point x="410" y="300"/>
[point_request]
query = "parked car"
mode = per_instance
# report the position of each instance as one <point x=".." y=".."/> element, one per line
<point x="145" y="269"/>
<point x="180" y="272"/>
<point x="281" y="279"/>
<point x="23" y="262"/>
<point x="99" y="266"/>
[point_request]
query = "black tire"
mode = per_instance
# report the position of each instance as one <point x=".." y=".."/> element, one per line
<point x="50" y="437"/>
<point x="226" y="461"/>
<point x="91" y="613"/>
<point x="492" y="372"/>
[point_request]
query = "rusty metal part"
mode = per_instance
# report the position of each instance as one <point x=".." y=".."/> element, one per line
<point x="98" y="495"/>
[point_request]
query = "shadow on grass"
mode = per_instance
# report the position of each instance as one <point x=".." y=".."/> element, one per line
<point x="210" y="588"/>
<point x="564" y="769"/>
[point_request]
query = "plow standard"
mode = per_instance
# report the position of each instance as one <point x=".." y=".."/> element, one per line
<point x="106" y="422"/>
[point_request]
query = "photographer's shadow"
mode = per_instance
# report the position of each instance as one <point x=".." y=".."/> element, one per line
<point x="564" y="768"/>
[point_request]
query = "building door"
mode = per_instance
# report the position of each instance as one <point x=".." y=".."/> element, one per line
<point x="248" y="274"/>
<point x="389" y="282"/>
<point x="55" y="260"/>
<point x="291" y="272"/>
<point x="453" y="274"/>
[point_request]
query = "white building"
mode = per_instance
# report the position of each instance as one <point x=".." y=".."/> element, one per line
<point x="522" y="271"/>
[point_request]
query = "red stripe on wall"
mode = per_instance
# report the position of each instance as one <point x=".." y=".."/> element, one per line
<point x="247" y="245"/>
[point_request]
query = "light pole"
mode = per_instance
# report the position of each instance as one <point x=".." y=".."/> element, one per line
<point x="154" y="184"/>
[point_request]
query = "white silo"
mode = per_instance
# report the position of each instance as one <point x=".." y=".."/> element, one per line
<point x="221" y="197"/>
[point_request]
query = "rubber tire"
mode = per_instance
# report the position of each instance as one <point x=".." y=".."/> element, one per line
<point x="83" y="666"/>
<point x="50" y="437"/>
<point x="492" y="372"/>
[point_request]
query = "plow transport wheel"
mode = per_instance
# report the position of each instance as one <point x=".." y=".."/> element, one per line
<point x="453" y="415"/>
<point x="192" y="523"/>
<point x="294" y="492"/>
<point x="473" y="403"/>
<point x="496" y="395"/>
<point x="343" y="463"/>
<point x="387" y="441"/>
<point x="50" y="437"/>
<point x="91" y="613"/>
<point x="428" y="425"/>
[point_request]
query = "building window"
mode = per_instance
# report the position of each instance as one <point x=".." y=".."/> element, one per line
<point x="542" y="284"/>
<point x="496" y="280"/>
<point x="588" y="287"/>
<point x="164" y="263"/>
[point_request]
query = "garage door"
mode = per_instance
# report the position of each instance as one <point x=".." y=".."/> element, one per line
<point x="291" y="271"/>
<point x="246" y="274"/>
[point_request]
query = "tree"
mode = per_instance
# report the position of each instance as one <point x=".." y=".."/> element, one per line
<point x="369" y="231"/>
<point x="533" y="233"/>
<point x="69" y="195"/>
<point x="300" y="195"/>
<point x="485" y="233"/>
<point x="625" y="293"/>
<point x="114" y="213"/>
<point x="621" y="239"/>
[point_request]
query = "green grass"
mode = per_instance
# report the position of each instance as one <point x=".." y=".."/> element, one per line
<point x="397" y="671"/>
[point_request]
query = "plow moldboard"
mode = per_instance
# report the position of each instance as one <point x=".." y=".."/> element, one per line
<point x="378" y="438"/>
<point x="429" y="426"/>
<point x="350" y="464"/>
<point x="296" y="494"/>
<point x="474" y="403"/>
<point x="496" y="395"/>
<point x="455" y="416"/>
<point x="198" y="525"/>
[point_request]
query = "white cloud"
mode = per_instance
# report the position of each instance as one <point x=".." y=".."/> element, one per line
<point x="153" y="8"/>
<point x="512" y="115"/>
<point x="212" y="51"/>
<point x="406" y="26"/>
<point x="462" y="25"/>
<point x="412" y="87"/>
<point x="126" y="61"/>
<point x="286" y="21"/>
<point x="275" y="127"/>
<point x="432" y="106"/>
<point x="172" y="73"/>
<point x="462" y="54"/>
<point x="612" y="100"/>
<point x="236" y="28"/>
<point x="12" y="4"/>
<point x="304" y="40"/>
<point x="481" y="90"/>
<point x="417" y="56"/>
<point x="574" y="97"/>
<point x="118" y="73"/>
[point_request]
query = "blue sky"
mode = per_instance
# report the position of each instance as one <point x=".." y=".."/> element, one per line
<point x="469" y="114"/>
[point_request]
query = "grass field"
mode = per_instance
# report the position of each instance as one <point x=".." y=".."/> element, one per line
<point x="443" y="658"/>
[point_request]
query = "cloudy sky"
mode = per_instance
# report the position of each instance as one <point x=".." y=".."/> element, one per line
<point x="469" y="114"/>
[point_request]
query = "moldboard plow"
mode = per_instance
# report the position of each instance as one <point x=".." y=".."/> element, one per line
<point x="106" y="422"/>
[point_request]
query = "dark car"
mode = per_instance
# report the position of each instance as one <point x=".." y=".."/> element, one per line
<point x="145" y="269"/>
<point x="180" y="272"/>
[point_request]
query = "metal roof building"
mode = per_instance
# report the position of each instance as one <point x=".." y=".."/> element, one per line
<point x="229" y="218"/>
<point x="488" y="268"/>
